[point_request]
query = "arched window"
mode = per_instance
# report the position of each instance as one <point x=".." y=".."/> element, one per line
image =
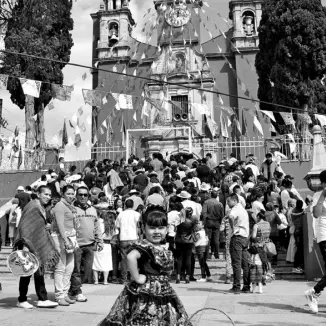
<point x="113" y="35"/>
<point x="248" y="19"/>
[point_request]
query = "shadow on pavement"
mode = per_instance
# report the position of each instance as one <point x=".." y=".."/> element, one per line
<point x="280" y="306"/>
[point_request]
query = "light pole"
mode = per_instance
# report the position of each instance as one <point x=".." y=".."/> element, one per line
<point x="318" y="161"/>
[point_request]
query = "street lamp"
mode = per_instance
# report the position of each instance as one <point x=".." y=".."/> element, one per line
<point x="318" y="161"/>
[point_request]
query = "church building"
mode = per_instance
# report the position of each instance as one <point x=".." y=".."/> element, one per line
<point x="182" y="75"/>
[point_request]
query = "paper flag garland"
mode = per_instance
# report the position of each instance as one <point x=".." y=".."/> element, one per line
<point x="89" y="120"/>
<point x="104" y="100"/>
<point x="269" y="114"/>
<point x="272" y="128"/>
<point x="78" y="139"/>
<point x="83" y="128"/>
<point x="3" y="81"/>
<point x="104" y="124"/>
<point x="74" y="118"/>
<point x="124" y="101"/>
<point x="31" y="87"/>
<point x="223" y="126"/>
<point x="257" y="125"/>
<point x="287" y="117"/>
<point x="134" y="116"/>
<point x="321" y="119"/>
<point x="62" y="93"/>
<point x="93" y="98"/>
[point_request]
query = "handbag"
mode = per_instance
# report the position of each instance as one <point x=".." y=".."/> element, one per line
<point x="270" y="249"/>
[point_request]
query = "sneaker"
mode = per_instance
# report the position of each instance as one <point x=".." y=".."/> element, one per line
<point x="235" y="291"/>
<point x="81" y="298"/>
<point x="312" y="300"/>
<point x="63" y="302"/>
<point x="47" y="304"/>
<point x="187" y="280"/>
<point x="69" y="300"/>
<point x="246" y="290"/>
<point x="193" y="279"/>
<point x="202" y="280"/>
<point x="297" y="270"/>
<point x="24" y="305"/>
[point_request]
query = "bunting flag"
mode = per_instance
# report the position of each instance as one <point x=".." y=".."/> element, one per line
<point x="220" y="100"/>
<point x="321" y="119"/>
<point x="244" y="125"/>
<point x="3" y="81"/>
<point x="83" y="128"/>
<point x="31" y="87"/>
<point x="123" y="101"/>
<point x="94" y="132"/>
<point x="236" y="127"/>
<point x="272" y="128"/>
<point x="74" y="118"/>
<point x="104" y="100"/>
<point x="292" y="147"/>
<point x="50" y="105"/>
<point x="269" y="114"/>
<point x="123" y="132"/>
<point x="80" y="111"/>
<point x="201" y="108"/>
<point x="104" y="124"/>
<point x="109" y="132"/>
<point x="93" y="98"/>
<point x="15" y="141"/>
<point x="304" y="117"/>
<point x="257" y="126"/>
<point x="62" y="93"/>
<point x="287" y="117"/>
<point x="78" y="139"/>
<point x="223" y="126"/>
<point x="134" y="116"/>
<point x="64" y="135"/>
<point x="211" y="126"/>
<point x="146" y="109"/>
<point x="70" y="141"/>
<point x="227" y="110"/>
<point x="89" y="120"/>
<point x="20" y="157"/>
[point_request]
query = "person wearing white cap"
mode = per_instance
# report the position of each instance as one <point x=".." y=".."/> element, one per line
<point x="186" y="202"/>
<point x="135" y="197"/>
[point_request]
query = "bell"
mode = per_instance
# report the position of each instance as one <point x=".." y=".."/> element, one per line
<point x="248" y="20"/>
<point x="113" y="37"/>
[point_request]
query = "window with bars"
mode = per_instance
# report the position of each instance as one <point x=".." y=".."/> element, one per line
<point x="183" y="104"/>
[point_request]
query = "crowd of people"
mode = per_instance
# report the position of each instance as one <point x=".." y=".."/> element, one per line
<point x="100" y="221"/>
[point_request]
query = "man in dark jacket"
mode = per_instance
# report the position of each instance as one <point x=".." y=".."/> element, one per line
<point x="268" y="167"/>
<point x="203" y="171"/>
<point x="213" y="213"/>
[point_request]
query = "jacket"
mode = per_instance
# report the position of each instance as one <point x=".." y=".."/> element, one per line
<point x="87" y="225"/>
<point x="265" y="168"/>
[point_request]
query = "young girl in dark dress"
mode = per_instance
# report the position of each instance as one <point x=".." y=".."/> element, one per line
<point x="149" y="299"/>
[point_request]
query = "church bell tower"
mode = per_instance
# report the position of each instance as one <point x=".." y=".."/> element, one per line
<point x="112" y="26"/>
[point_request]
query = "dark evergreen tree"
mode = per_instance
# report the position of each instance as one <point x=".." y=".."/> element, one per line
<point x="40" y="28"/>
<point x="291" y="61"/>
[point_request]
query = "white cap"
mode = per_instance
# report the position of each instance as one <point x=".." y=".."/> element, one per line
<point x="21" y="188"/>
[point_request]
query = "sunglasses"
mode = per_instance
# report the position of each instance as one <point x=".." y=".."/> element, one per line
<point x="83" y="195"/>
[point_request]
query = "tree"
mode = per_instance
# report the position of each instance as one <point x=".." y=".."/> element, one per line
<point x="40" y="28"/>
<point x="6" y="7"/>
<point x="291" y="61"/>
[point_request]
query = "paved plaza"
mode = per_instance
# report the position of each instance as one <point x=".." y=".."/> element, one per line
<point x="282" y="304"/>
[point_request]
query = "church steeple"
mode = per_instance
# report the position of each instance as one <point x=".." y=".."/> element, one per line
<point x="114" y="26"/>
<point x="246" y="16"/>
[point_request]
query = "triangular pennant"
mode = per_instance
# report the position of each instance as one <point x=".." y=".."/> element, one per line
<point x="287" y="117"/>
<point x="272" y="128"/>
<point x="244" y="125"/>
<point x="123" y="131"/>
<point x="134" y="116"/>
<point x="78" y="139"/>
<point x="64" y="135"/>
<point x="257" y="126"/>
<point x="223" y="126"/>
<point x="269" y="114"/>
<point x="104" y="124"/>
<point x="92" y="97"/>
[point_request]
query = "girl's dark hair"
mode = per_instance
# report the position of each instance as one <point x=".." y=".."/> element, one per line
<point x="67" y="187"/>
<point x="261" y="215"/>
<point x="115" y="202"/>
<point x="155" y="216"/>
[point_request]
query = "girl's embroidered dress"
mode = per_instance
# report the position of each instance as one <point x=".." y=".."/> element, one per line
<point x="153" y="303"/>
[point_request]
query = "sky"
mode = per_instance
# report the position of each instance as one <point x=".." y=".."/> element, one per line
<point x="81" y="54"/>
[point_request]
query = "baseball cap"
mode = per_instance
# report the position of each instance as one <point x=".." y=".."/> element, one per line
<point x="21" y="188"/>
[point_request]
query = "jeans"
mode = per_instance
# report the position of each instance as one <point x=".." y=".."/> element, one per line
<point x="40" y="289"/>
<point x="299" y="255"/>
<point x="63" y="269"/>
<point x="83" y="255"/>
<point x="124" y="247"/>
<point x="229" y="269"/>
<point x="202" y="254"/>
<point x="115" y="262"/>
<point x="184" y="256"/>
<point x="320" y="286"/>
<point x="213" y="231"/>
<point x="240" y="255"/>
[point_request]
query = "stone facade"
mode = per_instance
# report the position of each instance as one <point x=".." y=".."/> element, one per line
<point x="181" y="58"/>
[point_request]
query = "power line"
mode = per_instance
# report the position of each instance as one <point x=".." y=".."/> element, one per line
<point x="149" y="79"/>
